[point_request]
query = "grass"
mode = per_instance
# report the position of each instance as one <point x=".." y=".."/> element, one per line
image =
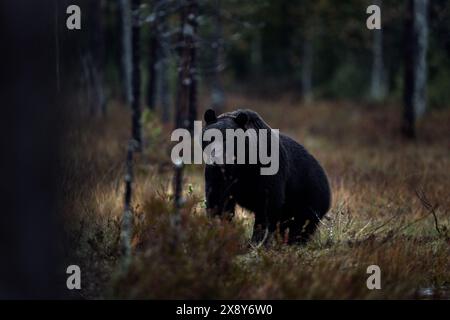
<point x="376" y="216"/>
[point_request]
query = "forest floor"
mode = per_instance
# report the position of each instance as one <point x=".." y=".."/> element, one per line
<point x="377" y="217"/>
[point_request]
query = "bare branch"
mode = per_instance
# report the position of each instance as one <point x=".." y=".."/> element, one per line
<point x="429" y="207"/>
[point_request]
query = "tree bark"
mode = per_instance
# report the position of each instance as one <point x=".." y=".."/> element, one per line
<point x="135" y="144"/>
<point x="186" y="106"/>
<point x="136" y="75"/>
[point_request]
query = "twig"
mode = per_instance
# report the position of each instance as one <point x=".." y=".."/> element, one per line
<point x="429" y="207"/>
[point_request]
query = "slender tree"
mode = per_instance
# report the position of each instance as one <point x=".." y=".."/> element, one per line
<point x="186" y="104"/>
<point x="191" y="42"/>
<point x="136" y="75"/>
<point x="127" y="218"/>
<point x="135" y="144"/>
<point x="416" y="46"/>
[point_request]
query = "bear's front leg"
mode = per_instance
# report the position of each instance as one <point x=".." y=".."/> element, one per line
<point x="219" y="204"/>
<point x="267" y="214"/>
<point x="219" y="201"/>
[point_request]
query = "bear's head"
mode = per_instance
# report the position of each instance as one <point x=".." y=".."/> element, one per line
<point x="238" y="122"/>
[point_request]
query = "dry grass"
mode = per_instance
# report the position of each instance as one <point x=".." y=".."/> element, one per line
<point x="376" y="217"/>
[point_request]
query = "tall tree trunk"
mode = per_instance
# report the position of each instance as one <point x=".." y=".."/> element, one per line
<point x="136" y="75"/>
<point x="127" y="218"/>
<point x="186" y="106"/>
<point x="127" y="70"/>
<point x="192" y="16"/>
<point x="377" y="87"/>
<point x="135" y="144"/>
<point x="421" y="73"/>
<point x="193" y="87"/>
<point x="416" y="45"/>
<point x="217" y="94"/>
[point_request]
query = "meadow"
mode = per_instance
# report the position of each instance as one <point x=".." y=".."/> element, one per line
<point x="390" y="208"/>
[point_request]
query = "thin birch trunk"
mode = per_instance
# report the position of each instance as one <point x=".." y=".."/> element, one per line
<point x="135" y="144"/>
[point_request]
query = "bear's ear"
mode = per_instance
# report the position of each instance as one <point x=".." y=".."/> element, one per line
<point x="241" y="119"/>
<point x="210" y="116"/>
